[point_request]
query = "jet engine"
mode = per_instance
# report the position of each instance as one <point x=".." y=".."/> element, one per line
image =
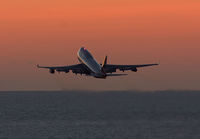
<point x="66" y="71"/>
<point x="134" y="69"/>
<point x="52" y="71"/>
<point x="77" y="71"/>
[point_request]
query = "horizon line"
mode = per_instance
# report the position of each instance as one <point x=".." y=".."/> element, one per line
<point x="84" y="90"/>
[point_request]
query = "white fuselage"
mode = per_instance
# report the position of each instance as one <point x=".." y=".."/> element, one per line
<point x="87" y="59"/>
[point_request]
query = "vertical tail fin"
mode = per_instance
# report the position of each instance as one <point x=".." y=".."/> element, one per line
<point x="105" y="62"/>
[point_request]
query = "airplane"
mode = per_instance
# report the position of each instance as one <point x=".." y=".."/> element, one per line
<point x="90" y="67"/>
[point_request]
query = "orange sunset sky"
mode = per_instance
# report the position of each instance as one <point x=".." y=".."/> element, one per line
<point x="49" y="32"/>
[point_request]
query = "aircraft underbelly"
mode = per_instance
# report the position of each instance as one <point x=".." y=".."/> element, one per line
<point x="91" y="64"/>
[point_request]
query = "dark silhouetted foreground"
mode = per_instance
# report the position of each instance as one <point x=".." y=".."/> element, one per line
<point x="139" y="115"/>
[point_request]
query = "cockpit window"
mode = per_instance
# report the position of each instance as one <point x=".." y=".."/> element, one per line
<point x="85" y="54"/>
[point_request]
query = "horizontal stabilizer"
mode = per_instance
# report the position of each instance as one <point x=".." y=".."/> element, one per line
<point x="116" y="74"/>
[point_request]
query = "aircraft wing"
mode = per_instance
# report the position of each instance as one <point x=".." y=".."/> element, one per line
<point x="75" y="68"/>
<point x="112" y="68"/>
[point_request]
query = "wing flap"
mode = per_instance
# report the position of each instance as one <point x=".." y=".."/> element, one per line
<point x="110" y="67"/>
<point x="75" y="68"/>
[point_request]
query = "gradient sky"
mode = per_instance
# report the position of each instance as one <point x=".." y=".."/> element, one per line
<point x="50" y="32"/>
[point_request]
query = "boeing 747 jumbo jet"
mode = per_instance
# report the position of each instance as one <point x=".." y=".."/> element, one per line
<point x="89" y="66"/>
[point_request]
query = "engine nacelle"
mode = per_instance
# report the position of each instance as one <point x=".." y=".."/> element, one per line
<point x="52" y="71"/>
<point x="134" y="69"/>
<point x="66" y="71"/>
<point x="77" y="71"/>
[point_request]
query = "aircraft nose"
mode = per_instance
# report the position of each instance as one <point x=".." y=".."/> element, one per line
<point x="83" y="48"/>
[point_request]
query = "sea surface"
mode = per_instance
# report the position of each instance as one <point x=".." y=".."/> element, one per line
<point x="100" y="115"/>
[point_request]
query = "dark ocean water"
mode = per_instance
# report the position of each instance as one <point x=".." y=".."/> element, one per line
<point x="100" y="115"/>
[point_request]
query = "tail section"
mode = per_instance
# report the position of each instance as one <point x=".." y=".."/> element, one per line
<point x="104" y="62"/>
